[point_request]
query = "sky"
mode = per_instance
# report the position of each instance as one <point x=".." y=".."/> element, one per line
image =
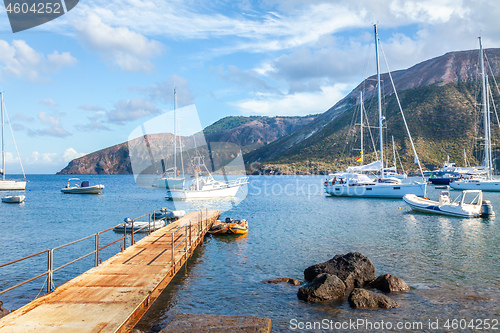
<point x="85" y="80"/>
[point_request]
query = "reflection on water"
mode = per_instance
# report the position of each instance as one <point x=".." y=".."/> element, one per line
<point x="451" y="264"/>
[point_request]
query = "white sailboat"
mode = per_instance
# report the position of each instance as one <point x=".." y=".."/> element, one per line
<point x="482" y="183"/>
<point x="9" y="184"/>
<point x="353" y="184"/>
<point x="171" y="177"/>
<point x="205" y="186"/>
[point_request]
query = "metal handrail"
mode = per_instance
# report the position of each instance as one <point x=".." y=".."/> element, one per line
<point x="97" y="248"/>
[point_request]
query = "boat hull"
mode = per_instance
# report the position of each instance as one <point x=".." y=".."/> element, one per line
<point x="96" y="189"/>
<point x="13" y="199"/>
<point x="483" y="185"/>
<point x="140" y="226"/>
<point x="226" y="192"/>
<point x="6" y="185"/>
<point x="390" y="191"/>
<point x="433" y="207"/>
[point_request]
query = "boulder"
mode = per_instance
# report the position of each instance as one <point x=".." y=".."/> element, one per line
<point x="3" y="311"/>
<point x="283" y="280"/>
<point x="354" y="269"/>
<point x="325" y="287"/>
<point x="390" y="284"/>
<point x="362" y="298"/>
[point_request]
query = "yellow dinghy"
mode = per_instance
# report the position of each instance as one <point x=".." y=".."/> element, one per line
<point x="229" y="227"/>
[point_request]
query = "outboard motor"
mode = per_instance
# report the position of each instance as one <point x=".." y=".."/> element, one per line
<point x="487" y="209"/>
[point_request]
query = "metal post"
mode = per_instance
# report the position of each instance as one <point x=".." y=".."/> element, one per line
<point x="186" y="243"/>
<point x="132" y="242"/>
<point x="96" y="263"/>
<point x="173" y="257"/>
<point x="149" y="223"/>
<point x="49" y="270"/>
<point x="124" y="236"/>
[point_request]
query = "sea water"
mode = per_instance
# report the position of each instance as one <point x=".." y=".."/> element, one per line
<point x="451" y="264"/>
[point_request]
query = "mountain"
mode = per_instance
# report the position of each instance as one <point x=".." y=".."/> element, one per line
<point x="439" y="98"/>
<point x="248" y="132"/>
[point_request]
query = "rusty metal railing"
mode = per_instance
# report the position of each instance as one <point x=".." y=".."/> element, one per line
<point x="97" y="249"/>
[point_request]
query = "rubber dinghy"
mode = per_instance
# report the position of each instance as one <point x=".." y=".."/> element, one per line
<point x="469" y="204"/>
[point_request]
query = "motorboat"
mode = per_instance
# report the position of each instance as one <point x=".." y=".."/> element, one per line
<point x="13" y="199"/>
<point x="140" y="226"/>
<point x="229" y="227"/>
<point x="204" y="186"/>
<point x="75" y="187"/>
<point x="9" y="184"/>
<point x="164" y="213"/>
<point x="469" y="204"/>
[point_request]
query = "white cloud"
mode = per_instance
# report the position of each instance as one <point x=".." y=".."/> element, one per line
<point x="21" y="60"/>
<point x="54" y="129"/>
<point x="299" y="104"/>
<point x="164" y="91"/>
<point x="53" y="159"/>
<point x="131" y="109"/>
<point x="49" y="102"/>
<point x="129" y="50"/>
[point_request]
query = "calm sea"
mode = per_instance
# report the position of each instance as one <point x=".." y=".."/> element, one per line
<point x="451" y="264"/>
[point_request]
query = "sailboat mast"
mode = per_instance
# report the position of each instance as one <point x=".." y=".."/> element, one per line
<point x="361" y="108"/>
<point x="3" y="138"/>
<point x="485" y="110"/>
<point x="394" y="153"/>
<point x="175" y="133"/>
<point x="490" y="155"/>
<point x="380" y="119"/>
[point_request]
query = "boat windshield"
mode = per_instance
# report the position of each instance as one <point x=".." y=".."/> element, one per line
<point x="472" y="198"/>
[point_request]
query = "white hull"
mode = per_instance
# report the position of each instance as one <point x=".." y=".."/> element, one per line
<point x="390" y="191"/>
<point x="434" y="207"/>
<point x="483" y="185"/>
<point x="155" y="225"/>
<point x="166" y="182"/>
<point x="96" y="189"/>
<point x="6" y="185"/>
<point x="227" y="192"/>
<point x="13" y="199"/>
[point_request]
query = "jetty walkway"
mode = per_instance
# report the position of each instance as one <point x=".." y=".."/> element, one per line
<point x="113" y="296"/>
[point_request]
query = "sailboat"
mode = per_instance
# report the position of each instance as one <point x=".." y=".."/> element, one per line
<point x="171" y="177"/>
<point x="482" y="183"/>
<point x="205" y="186"/>
<point x="9" y="184"/>
<point x="349" y="184"/>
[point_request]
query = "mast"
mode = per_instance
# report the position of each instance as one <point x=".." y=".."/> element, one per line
<point x="3" y="138"/>
<point x="361" y="101"/>
<point x="394" y="153"/>
<point x="180" y="136"/>
<point x="175" y="134"/>
<point x="380" y="119"/>
<point x="490" y="155"/>
<point x="487" y="145"/>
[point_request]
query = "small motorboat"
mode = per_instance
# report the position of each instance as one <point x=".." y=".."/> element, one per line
<point x="164" y="213"/>
<point x="469" y="204"/>
<point x="142" y="225"/>
<point x="13" y="199"/>
<point x="75" y="187"/>
<point x="229" y="227"/>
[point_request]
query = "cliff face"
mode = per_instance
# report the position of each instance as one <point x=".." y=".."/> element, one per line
<point x="247" y="132"/>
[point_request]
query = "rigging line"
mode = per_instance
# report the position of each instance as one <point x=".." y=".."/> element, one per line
<point x="400" y="162"/>
<point x="402" y="114"/>
<point x="13" y="139"/>
<point x="371" y="135"/>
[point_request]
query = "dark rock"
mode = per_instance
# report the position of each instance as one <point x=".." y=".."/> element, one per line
<point x="324" y="287"/>
<point x="354" y="269"/>
<point x="362" y="298"/>
<point x="283" y="280"/>
<point x="3" y="311"/>
<point x="390" y="284"/>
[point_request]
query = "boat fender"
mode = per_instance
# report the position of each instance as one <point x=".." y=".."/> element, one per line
<point x="326" y="182"/>
<point x="487" y="209"/>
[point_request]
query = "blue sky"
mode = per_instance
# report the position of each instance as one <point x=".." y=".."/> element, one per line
<point x="84" y="81"/>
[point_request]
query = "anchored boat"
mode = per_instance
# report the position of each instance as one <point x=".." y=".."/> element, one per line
<point x="13" y="199"/>
<point x="229" y="227"/>
<point x="469" y="204"/>
<point x="73" y="187"/>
